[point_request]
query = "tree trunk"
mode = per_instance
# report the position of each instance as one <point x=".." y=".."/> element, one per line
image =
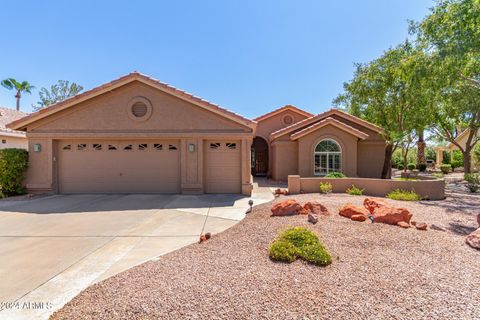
<point x="387" y="163"/>
<point x="421" y="148"/>
<point x="467" y="161"/>
<point x="18" y="96"/>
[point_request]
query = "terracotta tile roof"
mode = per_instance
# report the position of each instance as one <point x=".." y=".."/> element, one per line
<point x="286" y="107"/>
<point x="321" y="116"/>
<point x="8" y="115"/>
<point x="21" y="123"/>
<point x="329" y="121"/>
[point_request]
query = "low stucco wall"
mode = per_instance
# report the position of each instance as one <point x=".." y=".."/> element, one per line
<point x="433" y="189"/>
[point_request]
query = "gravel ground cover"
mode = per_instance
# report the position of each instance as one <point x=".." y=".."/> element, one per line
<point x="378" y="272"/>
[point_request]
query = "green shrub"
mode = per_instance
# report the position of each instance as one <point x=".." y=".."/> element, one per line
<point x="325" y="187"/>
<point x="446" y="168"/>
<point x="335" y="175"/>
<point x="302" y="243"/>
<point x="438" y="175"/>
<point x="354" y="191"/>
<point x="13" y="165"/>
<point x="422" y="167"/>
<point x="411" y="166"/>
<point x="404" y="195"/>
<point x="400" y="167"/>
<point x="473" y="181"/>
<point x="456" y="159"/>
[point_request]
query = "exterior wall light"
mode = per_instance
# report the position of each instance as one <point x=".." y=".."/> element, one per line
<point x="191" y="147"/>
<point x="37" y="147"/>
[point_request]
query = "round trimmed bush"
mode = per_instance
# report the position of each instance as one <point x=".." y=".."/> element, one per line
<point x="400" y="167"/>
<point x="446" y="168"/>
<point x="422" y="167"/>
<point x="411" y="166"/>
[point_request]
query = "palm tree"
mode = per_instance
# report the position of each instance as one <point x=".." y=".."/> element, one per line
<point x="12" y="84"/>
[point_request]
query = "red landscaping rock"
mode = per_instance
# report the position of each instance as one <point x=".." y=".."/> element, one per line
<point x="421" y="226"/>
<point x="208" y="235"/>
<point x="288" y="207"/>
<point x="473" y="239"/>
<point x="403" y="224"/>
<point x="391" y="215"/>
<point x="316" y="208"/>
<point x="413" y="223"/>
<point x="359" y="217"/>
<point x="202" y="238"/>
<point x="348" y="210"/>
<point x="371" y="204"/>
<point x="312" y="218"/>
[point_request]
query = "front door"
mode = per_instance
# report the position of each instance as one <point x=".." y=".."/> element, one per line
<point x="259" y="157"/>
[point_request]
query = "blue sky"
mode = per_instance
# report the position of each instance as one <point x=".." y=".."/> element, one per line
<point x="248" y="56"/>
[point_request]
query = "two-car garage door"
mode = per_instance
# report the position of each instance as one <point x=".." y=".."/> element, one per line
<point x="119" y="167"/>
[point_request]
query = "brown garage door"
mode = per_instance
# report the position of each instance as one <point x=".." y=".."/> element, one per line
<point x="119" y="167"/>
<point x="223" y="168"/>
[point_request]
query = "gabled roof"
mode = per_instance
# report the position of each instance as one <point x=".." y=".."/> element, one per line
<point x="134" y="76"/>
<point x="320" y="116"/>
<point x="8" y="115"/>
<point x="284" y="108"/>
<point x="459" y="138"/>
<point x="326" y="122"/>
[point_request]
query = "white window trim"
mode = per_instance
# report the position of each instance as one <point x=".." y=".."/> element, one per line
<point x="327" y="153"/>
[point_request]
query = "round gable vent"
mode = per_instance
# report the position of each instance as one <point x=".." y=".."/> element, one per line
<point x="287" y="120"/>
<point x="139" y="109"/>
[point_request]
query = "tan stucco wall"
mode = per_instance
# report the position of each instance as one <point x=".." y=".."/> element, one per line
<point x="13" y="142"/>
<point x="271" y="124"/>
<point x="284" y="159"/>
<point x="307" y="144"/>
<point x="106" y="117"/>
<point x="370" y="157"/>
<point x="432" y="189"/>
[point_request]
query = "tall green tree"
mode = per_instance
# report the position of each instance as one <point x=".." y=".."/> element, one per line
<point x="384" y="91"/>
<point x="19" y="87"/>
<point x="60" y="91"/>
<point x="450" y="37"/>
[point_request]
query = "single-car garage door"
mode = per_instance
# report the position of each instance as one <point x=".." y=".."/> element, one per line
<point x="223" y="167"/>
<point x="119" y="167"/>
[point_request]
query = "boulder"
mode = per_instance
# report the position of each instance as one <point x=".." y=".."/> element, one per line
<point x="421" y="226"/>
<point x="202" y="238"/>
<point x="391" y="215"/>
<point x="371" y="204"/>
<point x="287" y="208"/>
<point x="316" y="208"/>
<point x="403" y="224"/>
<point x="348" y="210"/>
<point x="473" y="239"/>
<point x="359" y="217"/>
<point x="312" y="218"/>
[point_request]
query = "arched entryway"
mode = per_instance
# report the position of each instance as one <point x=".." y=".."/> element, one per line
<point x="259" y="157"/>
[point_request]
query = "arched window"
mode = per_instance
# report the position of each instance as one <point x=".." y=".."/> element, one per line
<point x="327" y="157"/>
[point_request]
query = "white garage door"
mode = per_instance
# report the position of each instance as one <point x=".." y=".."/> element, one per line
<point x="223" y="169"/>
<point x="119" y="167"/>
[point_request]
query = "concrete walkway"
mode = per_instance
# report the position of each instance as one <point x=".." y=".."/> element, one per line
<point x="53" y="247"/>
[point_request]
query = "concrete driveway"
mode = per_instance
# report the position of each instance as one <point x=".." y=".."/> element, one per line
<point x="53" y="247"/>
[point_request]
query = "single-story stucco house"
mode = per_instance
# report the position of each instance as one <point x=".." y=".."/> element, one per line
<point x="138" y="135"/>
<point x="461" y="139"/>
<point x="11" y="138"/>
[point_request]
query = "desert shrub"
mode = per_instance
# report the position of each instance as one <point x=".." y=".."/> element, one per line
<point x="13" y="165"/>
<point x="456" y="159"/>
<point x="400" y="167"/>
<point x="473" y="181"/>
<point x="411" y="166"/>
<point x="446" y="168"/>
<point x="404" y="195"/>
<point x="438" y="175"/>
<point x="325" y="187"/>
<point x="335" y="175"/>
<point x="354" y="191"/>
<point x="422" y="167"/>
<point x="446" y="157"/>
<point x="299" y="242"/>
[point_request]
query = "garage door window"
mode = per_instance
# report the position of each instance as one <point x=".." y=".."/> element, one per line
<point x="143" y="147"/>
<point x="172" y="147"/>
<point x="112" y="147"/>
<point x="158" y="146"/>
<point x="128" y="147"/>
<point x="81" y="146"/>
<point x="67" y="147"/>
<point x="97" y="146"/>
<point x="231" y="145"/>
<point x="215" y="145"/>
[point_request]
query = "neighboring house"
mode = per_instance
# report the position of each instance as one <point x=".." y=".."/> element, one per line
<point x="333" y="141"/>
<point x="138" y="135"/>
<point x="11" y="138"/>
<point x="462" y="141"/>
